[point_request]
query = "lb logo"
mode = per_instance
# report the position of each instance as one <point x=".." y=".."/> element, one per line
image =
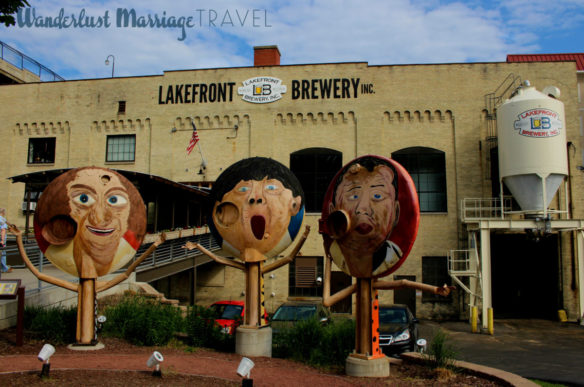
<point x="262" y="90"/>
<point x="538" y="123"/>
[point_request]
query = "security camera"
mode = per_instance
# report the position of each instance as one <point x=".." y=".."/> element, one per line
<point x="319" y="281"/>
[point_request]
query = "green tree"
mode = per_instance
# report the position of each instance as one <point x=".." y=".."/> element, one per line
<point x="10" y="7"/>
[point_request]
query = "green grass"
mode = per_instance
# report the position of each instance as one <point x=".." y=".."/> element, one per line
<point x="547" y="384"/>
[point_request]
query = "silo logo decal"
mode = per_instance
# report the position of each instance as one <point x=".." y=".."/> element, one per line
<point x="262" y="90"/>
<point x="538" y="123"/>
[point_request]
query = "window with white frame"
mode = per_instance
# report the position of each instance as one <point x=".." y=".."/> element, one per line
<point x="121" y="148"/>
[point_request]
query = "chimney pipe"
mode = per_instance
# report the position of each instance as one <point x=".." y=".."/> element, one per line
<point x="266" y="56"/>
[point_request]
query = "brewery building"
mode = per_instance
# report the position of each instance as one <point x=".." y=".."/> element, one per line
<point x="515" y="249"/>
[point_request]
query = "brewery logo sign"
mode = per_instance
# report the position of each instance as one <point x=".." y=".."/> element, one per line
<point x="538" y="123"/>
<point x="262" y="89"/>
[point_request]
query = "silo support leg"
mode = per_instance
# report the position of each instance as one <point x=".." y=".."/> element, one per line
<point x="486" y="275"/>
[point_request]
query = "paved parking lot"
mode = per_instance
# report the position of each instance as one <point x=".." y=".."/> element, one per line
<point x="534" y="349"/>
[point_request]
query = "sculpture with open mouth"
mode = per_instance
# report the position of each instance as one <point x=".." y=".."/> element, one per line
<point x="257" y="209"/>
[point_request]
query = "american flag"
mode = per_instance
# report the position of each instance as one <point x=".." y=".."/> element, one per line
<point x="194" y="139"/>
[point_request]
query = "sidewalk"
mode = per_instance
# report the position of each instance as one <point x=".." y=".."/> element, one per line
<point x="535" y="349"/>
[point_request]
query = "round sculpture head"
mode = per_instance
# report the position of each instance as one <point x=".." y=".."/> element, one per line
<point x="370" y="217"/>
<point x="257" y="203"/>
<point x="90" y="221"/>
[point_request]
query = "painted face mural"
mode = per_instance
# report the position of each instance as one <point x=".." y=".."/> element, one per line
<point x="370" y="200"/>
<point x="90" y="221"/>
<point x="258" y="204"/>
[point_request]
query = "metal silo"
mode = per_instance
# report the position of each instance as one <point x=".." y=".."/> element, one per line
<point x="532" y="147"/>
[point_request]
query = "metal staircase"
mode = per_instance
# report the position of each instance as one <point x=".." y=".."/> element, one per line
<point x="464" y="269"/>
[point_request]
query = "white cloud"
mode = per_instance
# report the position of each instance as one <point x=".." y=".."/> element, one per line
<point x="306" y="31"/>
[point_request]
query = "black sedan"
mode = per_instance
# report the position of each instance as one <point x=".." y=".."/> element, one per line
<point x="398" y="329"/>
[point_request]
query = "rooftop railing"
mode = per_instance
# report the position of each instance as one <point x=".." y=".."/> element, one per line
<point x="24" y="62"/>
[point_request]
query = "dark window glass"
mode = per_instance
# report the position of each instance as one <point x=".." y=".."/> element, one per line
<point x="428" y="170"/>
<point x="41" y="150"/>
<point x="121" y="106"/>
<point x="435" y="272"/>
<point x="315" y="168"/>
<point x="303" y="272"/>
<point x="226" y="311"/>
<point x="121" y="148"/>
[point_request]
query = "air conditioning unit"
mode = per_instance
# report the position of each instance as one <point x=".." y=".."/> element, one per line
<point x="31" y="207"/>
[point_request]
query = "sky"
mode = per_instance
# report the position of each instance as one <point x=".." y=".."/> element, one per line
<point x="222" y="33"/>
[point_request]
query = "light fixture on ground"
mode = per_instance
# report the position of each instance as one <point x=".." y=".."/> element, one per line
<point x="421" y="345"/>
<point x="101" y="319"/>
<point x="154" y="361"/>
<point x="244" y="370"/>
<point x="44" y="355"/>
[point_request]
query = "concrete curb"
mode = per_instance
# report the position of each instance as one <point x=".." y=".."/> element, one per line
<point x="483" y="371"/>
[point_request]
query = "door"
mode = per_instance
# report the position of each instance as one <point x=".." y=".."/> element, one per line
<point x="339" y="281"/>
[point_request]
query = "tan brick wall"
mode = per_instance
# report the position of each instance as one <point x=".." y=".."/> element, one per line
<point x="437" y="106"/>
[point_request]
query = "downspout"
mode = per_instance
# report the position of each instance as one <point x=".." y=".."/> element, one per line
<point x="569" y="207"/>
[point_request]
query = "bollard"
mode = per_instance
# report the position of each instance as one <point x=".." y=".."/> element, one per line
<point x="562" y="315"/>
<point x="491" y="325"/>
<point x="474" y="318"/>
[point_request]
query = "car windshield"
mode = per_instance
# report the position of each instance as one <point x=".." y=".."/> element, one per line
<point x="294" y="312"/>
<point x="226" y="311"/>
<point x="392" y="316"/>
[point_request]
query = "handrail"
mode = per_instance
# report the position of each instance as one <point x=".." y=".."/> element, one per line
<point x="24" y="62"/>
<point x="170" y="251"/>
<point x="484" y="208"/>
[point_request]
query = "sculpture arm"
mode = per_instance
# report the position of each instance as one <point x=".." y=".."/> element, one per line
<point x="284" y="261"/>
<point x="440" y="290"/>
<point x="216" y="258"/>
<point x="43" y="277"/>
<point x="327" y="299"/>
<point x="101" y="286"/>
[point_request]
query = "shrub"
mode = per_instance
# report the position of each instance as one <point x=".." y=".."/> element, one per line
<point x="311" y="342"/>
<point x="56" y="325"/>
<point x="202" y="331"/>
<point x="441" y="354"/>
<point x="337" y="343"/>
<point x="143" y="321"/>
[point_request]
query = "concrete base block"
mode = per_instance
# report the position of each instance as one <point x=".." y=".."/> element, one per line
<point x="371" y="368"/>
<point x="253" y="341"/>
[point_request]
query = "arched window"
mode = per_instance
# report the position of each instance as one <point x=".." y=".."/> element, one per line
<point x="427" y="167"/>
<point x="315" y="168"/>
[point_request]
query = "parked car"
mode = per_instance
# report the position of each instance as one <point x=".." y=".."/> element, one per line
<point x="229" y="315"/>
<point x="289" y="313"/>
<point x="398" y="329"/>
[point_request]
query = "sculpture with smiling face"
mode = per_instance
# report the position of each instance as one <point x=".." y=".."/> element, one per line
<point x="90" y="221"/>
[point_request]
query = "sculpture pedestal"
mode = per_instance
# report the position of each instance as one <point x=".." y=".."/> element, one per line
<point x="362" y="366"/>
<point x="89" y="347"/>
<point x="253" y="341"/>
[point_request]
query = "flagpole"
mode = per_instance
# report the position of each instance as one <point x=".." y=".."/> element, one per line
<point x="203" y="161"/>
